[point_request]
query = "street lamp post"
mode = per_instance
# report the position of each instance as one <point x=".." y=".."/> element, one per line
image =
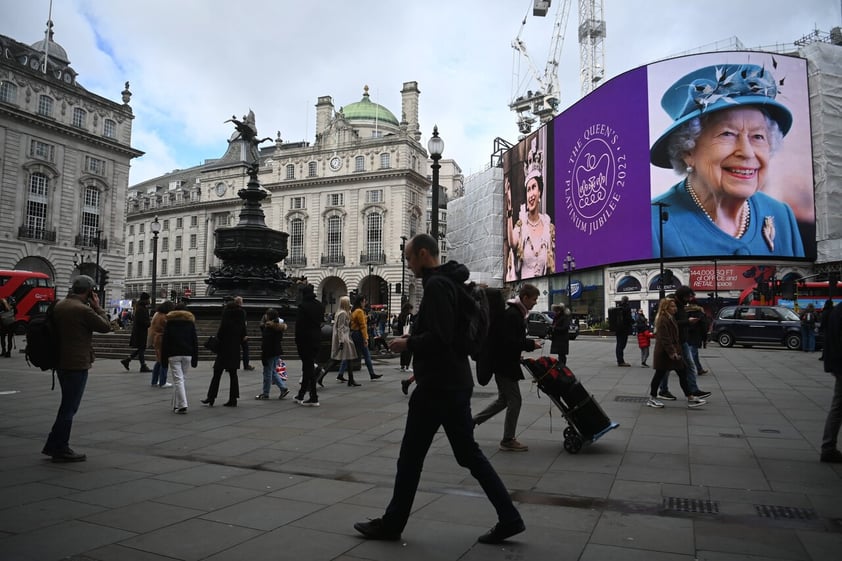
<point x="435" y="146"/>
<point x="568" y="266"/>
<point x="370" y="283"/>
<point x="100" y="291"/>
<point x="403" y="271"/>
<point x="156" y="229"/>
<point x="663" y="216"/>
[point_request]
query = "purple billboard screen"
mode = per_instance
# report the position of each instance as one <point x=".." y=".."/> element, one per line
<point x="601" y="171"/>
<point x="723" y="139"/>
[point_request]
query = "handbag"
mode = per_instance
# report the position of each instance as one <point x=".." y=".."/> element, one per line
<point x="7" y="318"/>
<point x="281" y="369"/>
<point x="212" y="344"/>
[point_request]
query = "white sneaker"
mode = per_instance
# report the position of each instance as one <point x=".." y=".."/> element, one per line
<point x="167" y="385"/>
<point x="693" y="401"/>
<point x="652" y="402"/>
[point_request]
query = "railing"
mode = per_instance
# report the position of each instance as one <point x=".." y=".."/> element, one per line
<point x="297" y="261"/>
<point x="372" y="258"/>
<point x="90" y="241"/>
<point x="333" y="260"/>
<point x="25" y="232"/>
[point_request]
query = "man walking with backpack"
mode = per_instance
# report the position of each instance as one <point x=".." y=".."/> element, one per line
<point x="75" y="319"/>
<point x="442" y="397"/>
<point x="506" y="364"/>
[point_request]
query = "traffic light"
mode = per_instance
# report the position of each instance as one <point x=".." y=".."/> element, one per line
<point x="103" y="278"/>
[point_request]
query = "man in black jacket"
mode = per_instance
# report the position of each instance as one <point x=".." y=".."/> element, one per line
<point x="308" y="337"/>
<point x="442" y="397"/>
<point x="506" y="363"/>
<point x="140" y="331"/>
<point x="833" y="365"/>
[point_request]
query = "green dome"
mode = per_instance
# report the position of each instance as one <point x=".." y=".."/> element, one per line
<point x="367" y="110"/>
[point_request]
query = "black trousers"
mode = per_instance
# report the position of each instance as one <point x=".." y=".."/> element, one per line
<point x="233" y="390"/>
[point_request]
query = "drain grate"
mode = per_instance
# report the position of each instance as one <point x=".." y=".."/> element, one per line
<point x="785" y="512"/>
<point x="698" y="506"/>
<point x="631" y="398"/>
<point x="730" y="435"/>
<point x="770" y="431"/>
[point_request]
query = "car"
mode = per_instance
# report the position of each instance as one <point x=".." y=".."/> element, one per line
<point x="539" y="324"/>
<point x="749" y="325"/>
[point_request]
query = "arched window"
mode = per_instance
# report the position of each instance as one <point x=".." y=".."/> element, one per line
<point x="36" y="205"/>
<point x="359" y="163"/>
<point x="8" y="92"/>
<point x="109" y="128"/>
<point x="311" y="169"/>
<point x="374" y="236"/>
<point x="90" y="216"/>
<point x="296" y="242"/>
<point x="413" y="225"/>
<point x="45" y="106"/>
<point x="334" y="239"/>
<point x="80" y="117"/>
<point x="628" y="284"/>
<point x="290" y="171"/>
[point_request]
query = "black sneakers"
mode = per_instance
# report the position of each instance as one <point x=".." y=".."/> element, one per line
<point x="666" y="395"/>
<point x="502" y="531"/>
<point x="832" y="457"/>
<point x="375" y="530"/>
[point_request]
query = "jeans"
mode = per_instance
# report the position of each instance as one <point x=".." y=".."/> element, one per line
<point x="244" y="346"/>
<point x="661" y="375"/>
<point x="694" y="353"/>
<point x="362" y="351"/>
<point x="72" y="384"/>
<point x="689" y="371"/>
<point x="508" y="398"/>
<point x="621" y="346"/>
<point x="179" y="366"/>
<point x="429" y="409"/>
<point x="159" y="374"/>
<point x="271" y="376"/>
<point x="644" y="355"/>
<point x="834" y="417"/>
<point x="808" y="339"/>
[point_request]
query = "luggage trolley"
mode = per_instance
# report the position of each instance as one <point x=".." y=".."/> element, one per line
<point x="586" y="420"/>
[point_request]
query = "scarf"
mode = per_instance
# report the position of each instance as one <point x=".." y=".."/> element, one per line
<point x="519" y="305"/>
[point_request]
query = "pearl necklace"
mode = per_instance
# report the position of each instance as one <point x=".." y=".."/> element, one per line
<point x="533" y="224"/>
<point x="744" y="217"/>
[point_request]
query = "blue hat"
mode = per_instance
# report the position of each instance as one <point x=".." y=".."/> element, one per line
<point x="714" y="88"/>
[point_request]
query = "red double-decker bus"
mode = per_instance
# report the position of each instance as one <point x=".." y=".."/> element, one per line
<point x="29" y="292"/>
<point x="796" y="294"/>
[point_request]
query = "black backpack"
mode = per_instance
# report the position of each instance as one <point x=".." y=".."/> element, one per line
<point x="475" y="319"/>
<point x="42" y="342"/>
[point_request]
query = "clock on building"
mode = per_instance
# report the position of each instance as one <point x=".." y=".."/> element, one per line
<point x="220" y="189"/>
<point x="335" y="163"/>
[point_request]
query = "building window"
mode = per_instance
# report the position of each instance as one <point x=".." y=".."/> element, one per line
<point x="45" y="106"/>
<point x="297" y="203"/>
<point x="385" y="160"/>
<point x="311" y="169"/>
<point x="42" y="150"/>
<point x="141" y="228"/>
<point x="374" y="196"/>
<point x="94" y="165"/>
<point x="109" y="128"/>
<point x="8" y="92"/>
<point x="80" y="117"/>
<point x="140" y="268"/>
<point x="130" y="250"/>
<point x="377" y="134"/>
<point x="194" y="221"/>
<point x="334" y="199"/>
<point x="36" y="204"/>
<point x="296" y="240"/>
<point x="413" y="225"/>
<point x="179" y="223"/>
<point x="128" y="270"/>
<point x="164" y="266"/>
<point x="90" y="216"/>
<point x="290" y="171"/>
<point x="374" y="235"/>
<point x="191" y="266"/>
<point x="140" y="246"/>
<point x="177" y="266"/>
<point x="177" y="243"/>
<point x="166" y="225"/>
<point x="334" y="238"/>
<point x="165" y="244"/>
<point x="194" y="241"/>
<point x="359" y="163"/>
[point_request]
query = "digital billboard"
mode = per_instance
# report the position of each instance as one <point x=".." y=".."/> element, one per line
<point x="721" y="141"/>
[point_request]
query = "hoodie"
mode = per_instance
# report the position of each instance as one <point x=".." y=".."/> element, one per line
<point x="440" y="361"/>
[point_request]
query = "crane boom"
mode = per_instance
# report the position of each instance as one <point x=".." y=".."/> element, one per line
<point x="542" y="104"/>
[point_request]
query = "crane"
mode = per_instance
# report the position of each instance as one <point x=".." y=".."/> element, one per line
<point x="541" y="104"/>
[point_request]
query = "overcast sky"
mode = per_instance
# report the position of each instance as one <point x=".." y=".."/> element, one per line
<point x="192" y="64"/>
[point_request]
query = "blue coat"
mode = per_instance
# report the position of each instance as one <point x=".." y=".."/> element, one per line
<point x="688" y="232"/>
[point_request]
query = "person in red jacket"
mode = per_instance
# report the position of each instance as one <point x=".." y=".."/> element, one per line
<point x="644" y="339"/>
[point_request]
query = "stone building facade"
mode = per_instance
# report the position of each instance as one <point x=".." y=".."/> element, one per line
<point x="345" y="200"/>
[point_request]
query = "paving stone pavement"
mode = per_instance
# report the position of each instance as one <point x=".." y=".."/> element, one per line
<point x="738" y="479"/>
